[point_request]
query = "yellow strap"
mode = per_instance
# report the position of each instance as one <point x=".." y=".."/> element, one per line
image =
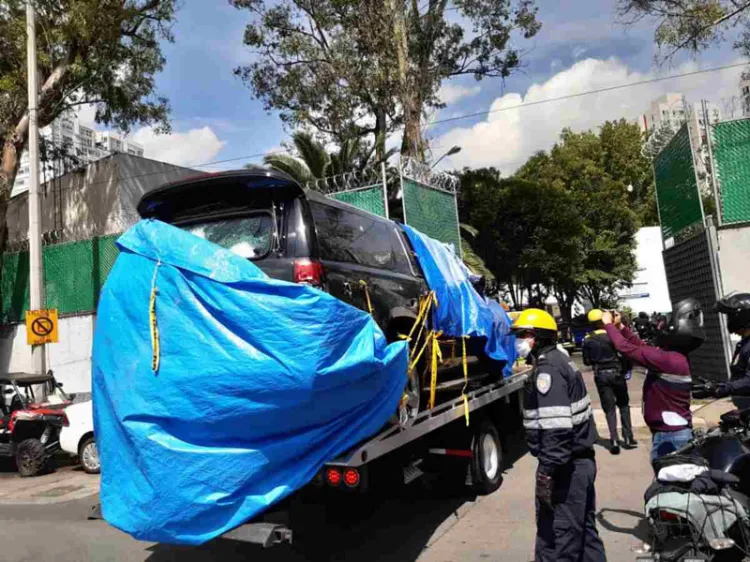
<point x="437" y="356"/>
<point x="367" y="296"/>
<point x="466" y="380"/>
<point x="156" y="353"/>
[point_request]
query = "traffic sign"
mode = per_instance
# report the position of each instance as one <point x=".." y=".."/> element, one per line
<point x="41" y="326"/>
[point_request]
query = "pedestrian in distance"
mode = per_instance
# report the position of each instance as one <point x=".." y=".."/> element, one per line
<point x="666" y="390"/>
<point x="610" y="370"/>
<point x="736" y="307"/>
<point x="560" y="433"/>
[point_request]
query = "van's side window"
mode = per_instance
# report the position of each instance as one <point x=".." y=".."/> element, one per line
<point x="350" y="237"/>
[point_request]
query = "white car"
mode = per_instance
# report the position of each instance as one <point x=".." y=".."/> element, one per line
<point x="77" y="438"/>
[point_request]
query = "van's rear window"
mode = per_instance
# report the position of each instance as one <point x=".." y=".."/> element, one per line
<point x="249" y="236"/>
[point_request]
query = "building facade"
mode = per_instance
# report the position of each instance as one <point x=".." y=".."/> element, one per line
<point x="66" y="144"/>
<point x="649" y="292"/>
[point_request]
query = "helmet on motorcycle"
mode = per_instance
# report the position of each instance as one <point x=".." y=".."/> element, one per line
<point x="684" y="330"/>
<point x="737" y="308"/>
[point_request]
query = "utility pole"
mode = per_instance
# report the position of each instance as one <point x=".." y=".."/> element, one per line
<point x="36" y="286"/>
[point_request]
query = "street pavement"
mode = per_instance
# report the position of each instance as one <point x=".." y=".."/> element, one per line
<point x="422" y="522"/>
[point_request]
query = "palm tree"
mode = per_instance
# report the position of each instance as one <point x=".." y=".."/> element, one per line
<point x="314" y="162"/>
<point x="471" y="258"/>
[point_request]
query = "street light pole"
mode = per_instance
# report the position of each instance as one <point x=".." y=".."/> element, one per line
<point x="36" y="287"/>
<point x="453" y="150"/>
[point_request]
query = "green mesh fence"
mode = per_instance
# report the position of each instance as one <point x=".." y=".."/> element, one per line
<point x="369" y="199"/>
<point x="74" y="274"/>
<point x="432" y="212"/>
<point x="676" y="188"/>
<point x="731" y="152"/>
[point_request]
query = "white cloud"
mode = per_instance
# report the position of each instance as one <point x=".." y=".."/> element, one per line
<point x="190" y="148"/>
<point x="505" y="139"/>
<point x="451" y="93"/>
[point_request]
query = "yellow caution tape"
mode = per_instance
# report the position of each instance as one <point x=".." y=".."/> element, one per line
<point x="156" y="352"/>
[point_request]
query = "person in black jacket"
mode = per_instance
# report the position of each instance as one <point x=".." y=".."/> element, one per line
<point x="609" y="375"/>
<point x="560" y="433"/>
<point x="736" y="306"/>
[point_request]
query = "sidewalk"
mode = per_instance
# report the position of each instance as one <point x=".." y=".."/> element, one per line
<point x="64" y="484"/>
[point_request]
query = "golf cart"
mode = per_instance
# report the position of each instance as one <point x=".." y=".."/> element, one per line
<point x="31" y="416"/>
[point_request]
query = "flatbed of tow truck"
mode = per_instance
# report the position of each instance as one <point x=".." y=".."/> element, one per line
<point x="477" y="443"/>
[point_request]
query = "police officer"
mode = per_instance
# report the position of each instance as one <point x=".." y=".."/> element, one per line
<point x="560" y="432"/>
<point x="737" y="309"/>
<point x="609" y="375"/>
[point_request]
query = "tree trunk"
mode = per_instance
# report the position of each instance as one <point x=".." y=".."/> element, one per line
<point x="381" y="126"/>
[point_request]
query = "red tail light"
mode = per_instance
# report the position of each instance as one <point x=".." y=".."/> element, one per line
<point x="308" y="271"/>
<point x="667" y="516"/>
<point x="65" y="421"/>
<point x="333" y="476"/>
<point x="351" y="477"/>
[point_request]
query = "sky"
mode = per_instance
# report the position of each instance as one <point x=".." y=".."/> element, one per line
<point x="581" y="47"/>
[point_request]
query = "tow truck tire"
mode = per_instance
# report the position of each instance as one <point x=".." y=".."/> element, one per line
<point x="487" y="459"/>
<point x="31" y="458"/>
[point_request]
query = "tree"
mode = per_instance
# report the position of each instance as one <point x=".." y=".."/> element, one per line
<point x="355" y="68"/>
<point x="315" y="162"/>
<point x="596" y="170"/>
<point x="692" y="25"/>
<point x="100" y="52"/>
<point x="524" y="247"/>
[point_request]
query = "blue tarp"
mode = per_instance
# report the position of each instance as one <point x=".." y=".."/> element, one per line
<point x="260" y="382"/>
<point x="461" y="311"/>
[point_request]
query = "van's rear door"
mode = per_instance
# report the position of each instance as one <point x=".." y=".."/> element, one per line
<point x="254" y="214"/>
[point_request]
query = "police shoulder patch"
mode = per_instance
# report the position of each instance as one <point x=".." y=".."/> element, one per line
<point x="543" y="382"/>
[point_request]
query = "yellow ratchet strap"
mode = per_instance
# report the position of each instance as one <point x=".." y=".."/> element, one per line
<point x="466" y="380"/>
<point x="437" y="357"/>
<point x="367" y="295"/>
<point x="156" y="353"/>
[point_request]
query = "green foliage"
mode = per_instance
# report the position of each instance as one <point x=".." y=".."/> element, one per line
<point x="101" y="52"/>
<point x="519" y="225"/>
<point x="596" y="170"/>
<point x="691" y="25"/>
<point x="313" y="161"/>
<point x="351" y="68"/>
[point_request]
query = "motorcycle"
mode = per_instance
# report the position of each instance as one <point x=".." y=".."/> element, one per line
<point x="698" y="507"/>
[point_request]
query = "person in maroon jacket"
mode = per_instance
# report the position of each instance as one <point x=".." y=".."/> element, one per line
<point x="666" y="390"/>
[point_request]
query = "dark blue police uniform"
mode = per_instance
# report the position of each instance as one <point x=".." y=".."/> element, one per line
<point x="561" y="433"/>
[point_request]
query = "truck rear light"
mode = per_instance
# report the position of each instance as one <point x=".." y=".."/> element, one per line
<point x="308" y="271"/>
<point x="333" y="476"/>
<point x="351" y="477"/>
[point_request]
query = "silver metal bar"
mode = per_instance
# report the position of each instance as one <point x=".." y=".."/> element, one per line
<point x="712" y="163"/>
<point x="385" y="188"/>
<point x="428" y="421"/>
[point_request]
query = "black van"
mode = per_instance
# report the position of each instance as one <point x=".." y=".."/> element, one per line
<point x="302" y="236"/>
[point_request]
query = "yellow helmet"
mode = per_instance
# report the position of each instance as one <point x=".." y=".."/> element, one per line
<point x="595" y="315"/>
<point x="534" y="319"/>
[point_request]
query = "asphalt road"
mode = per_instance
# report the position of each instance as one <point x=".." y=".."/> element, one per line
<point x="422" y="522"/>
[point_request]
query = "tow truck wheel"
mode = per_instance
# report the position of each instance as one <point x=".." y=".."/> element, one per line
<point x="487" y="459"/>
<point x="31" y="457"/>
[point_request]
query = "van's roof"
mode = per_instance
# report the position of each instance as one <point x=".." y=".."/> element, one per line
<point x="252" y="178"/>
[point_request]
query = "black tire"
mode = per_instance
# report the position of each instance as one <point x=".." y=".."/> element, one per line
<point x="31" y="458"/>
<point x="88" y="456"/>
<point x="487" y="459"/>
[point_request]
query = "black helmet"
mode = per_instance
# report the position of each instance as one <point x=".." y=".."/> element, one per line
<point x="684" y="329"/>
<point x="737" y="308"/>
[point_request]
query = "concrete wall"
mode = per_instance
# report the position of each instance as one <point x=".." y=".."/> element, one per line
<point x="734" y="258"/>
<point x="70" y="358"/>
<point x="98" y="199"/>
<point x="649" y="292"/>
